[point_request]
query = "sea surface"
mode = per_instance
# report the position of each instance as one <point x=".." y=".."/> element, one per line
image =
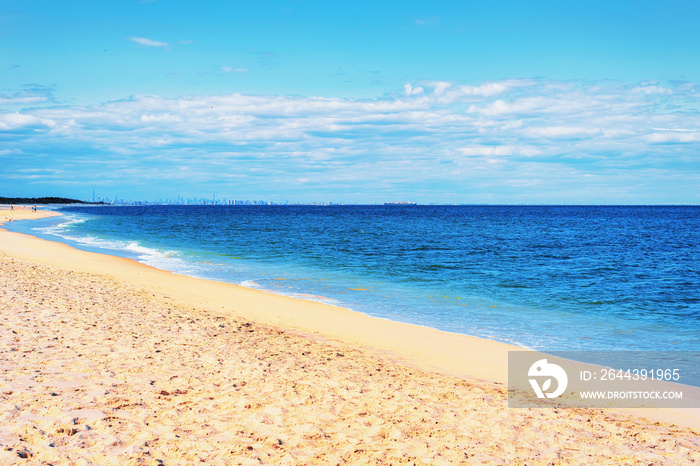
<point x="543" y="277"/>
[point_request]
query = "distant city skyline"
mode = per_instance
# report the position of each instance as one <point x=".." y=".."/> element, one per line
<point x="119" y="201"/>
<point x="363" y="102"/>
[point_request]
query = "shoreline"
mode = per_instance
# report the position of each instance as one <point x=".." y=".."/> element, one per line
<point x="522" y="302"/>
<point x="422" y="346"/>
<point x="418" y="345"/>
<point x="336" y="301"/>
<point x="111" y="361"/>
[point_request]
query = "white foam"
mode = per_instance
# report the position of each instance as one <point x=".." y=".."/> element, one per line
<point x="58" y="229"/>
<point x="250" y="284"/>
<point x="167" y="260"/>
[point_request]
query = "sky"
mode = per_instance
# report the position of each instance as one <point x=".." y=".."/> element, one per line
<point x="360" y="102"/>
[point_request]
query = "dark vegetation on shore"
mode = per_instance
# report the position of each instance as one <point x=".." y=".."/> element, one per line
<point x="44" y="200"/>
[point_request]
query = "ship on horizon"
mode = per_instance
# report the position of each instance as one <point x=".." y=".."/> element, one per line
<point x="400" y="203"/>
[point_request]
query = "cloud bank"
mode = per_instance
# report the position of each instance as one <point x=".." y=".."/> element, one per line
<point x="531" y="140"/>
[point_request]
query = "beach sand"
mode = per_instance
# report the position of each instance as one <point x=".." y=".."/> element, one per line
<point x="107" y="361"/>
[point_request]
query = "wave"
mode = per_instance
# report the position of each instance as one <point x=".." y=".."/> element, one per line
<point x="250" y="284"/>
<point x="162" y="259"/>
<point x="59" y="229"/>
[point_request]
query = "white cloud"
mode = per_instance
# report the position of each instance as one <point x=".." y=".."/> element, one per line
<point x="443" y="134"/>
<point x="14" y="121"/>
<point x="448" y="93"/>
<point x="148" y="42"/>
<point x="230" y="69"/>
<point x="410" y="90"/>
<point x="652" y="90"/>
<point x="672" y="137"/>
<point x="19" y="99"/>
<point x="31" y="95"/>
<point x="651" y="87"/>
<point x="440" y="88"/>
<point x="563" y="132"/>
<point x="682" y="130"/>
<point x="499" y="107"/>
<point x="486" y="150"/>
<point x="485" y="90"/>
<point x="498" y="151"/>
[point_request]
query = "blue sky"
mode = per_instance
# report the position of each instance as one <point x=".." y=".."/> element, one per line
<point x="442" y="101"/>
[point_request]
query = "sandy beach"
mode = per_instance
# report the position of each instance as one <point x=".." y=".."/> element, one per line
<point x="107" y="361"/>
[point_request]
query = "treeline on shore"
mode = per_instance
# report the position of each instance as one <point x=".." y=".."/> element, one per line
<point x="43" y="200"/>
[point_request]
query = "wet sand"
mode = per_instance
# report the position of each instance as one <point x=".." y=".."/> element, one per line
<point x="106" y="361"/>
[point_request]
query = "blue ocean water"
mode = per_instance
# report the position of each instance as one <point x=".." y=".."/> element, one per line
<point x="542" y="277"/>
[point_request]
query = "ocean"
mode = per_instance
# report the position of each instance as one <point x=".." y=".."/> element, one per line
<point x="573" y="278"/>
